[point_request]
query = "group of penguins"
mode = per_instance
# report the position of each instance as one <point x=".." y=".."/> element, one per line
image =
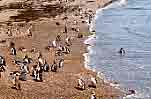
<point x="61" y="48"/>
<point x="40" y="66"/>
<point x="2" y="64"/>
<point x="36" y="70"/>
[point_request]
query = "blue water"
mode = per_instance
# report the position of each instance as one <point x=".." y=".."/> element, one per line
<point x="127" y="26"/>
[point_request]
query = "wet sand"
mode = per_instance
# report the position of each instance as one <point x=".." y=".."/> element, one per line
<point x="43" y="18"/>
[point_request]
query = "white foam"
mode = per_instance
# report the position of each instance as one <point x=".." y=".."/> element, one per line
<point x="134" y="96"/>
<point x="113" y="5"/>
<point x="129" y="96"/>
<point x="137" y="95"/>
<point x="141" y="67"/>
<point x="86" y="62"/>
<point x="91" y="39"/>
<point x="123" y="2"/>
<point x="118" y="3"/>
<point x="90" y="42"/>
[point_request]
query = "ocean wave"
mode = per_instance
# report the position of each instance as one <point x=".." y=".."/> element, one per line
<point x="115" y="4"/>
<point x="86" y="62"/>
<point x="92" y="39"/>
<point x="137" y="96"/>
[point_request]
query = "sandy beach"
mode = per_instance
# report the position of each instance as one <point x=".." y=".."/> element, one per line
<point x="47" y="19"/>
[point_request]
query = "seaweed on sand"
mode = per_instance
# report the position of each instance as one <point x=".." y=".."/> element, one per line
<point x="31" y="14"/>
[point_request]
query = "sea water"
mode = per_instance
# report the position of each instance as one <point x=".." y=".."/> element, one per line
<point x="124" y="24"/>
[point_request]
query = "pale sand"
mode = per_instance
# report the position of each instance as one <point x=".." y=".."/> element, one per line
<point x="60" y="85"/>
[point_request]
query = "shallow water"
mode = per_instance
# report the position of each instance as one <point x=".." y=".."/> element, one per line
<point x="124" y="24"/>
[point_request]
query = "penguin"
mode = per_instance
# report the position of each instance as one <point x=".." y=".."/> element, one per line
<point x="54" y="67"/>
<point x="13" y="51"/>
<point x="122" y="51"/>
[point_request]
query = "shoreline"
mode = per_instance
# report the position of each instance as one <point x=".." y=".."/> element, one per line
<point x="89" y="39"/>
<point x="100" y="75"/>
<point x="87" y="42"/>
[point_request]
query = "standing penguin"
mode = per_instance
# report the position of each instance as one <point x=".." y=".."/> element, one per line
<point x="27" y="59"/>
<point x="68" y="41"/>
<point x="39" y="73"/>
<point x="46" y="67"/>
<point x="93" y="96"/>
<point x="65" y="29"/>
<point x="81" y="84"/>
<point x="34" y="72"/>
<point x="54" y="67"/>
<point x="58" y="38"/>
<point x="2" y="65"/>
<point x="54" y="44"/>
<point x="12" y="48"/>
<point x="2" y="61"/>
<point x="66" y="50"/>
<point x="61" y="63"/>
<point x="15" y="80"/>
<point x="13" y="51"/>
